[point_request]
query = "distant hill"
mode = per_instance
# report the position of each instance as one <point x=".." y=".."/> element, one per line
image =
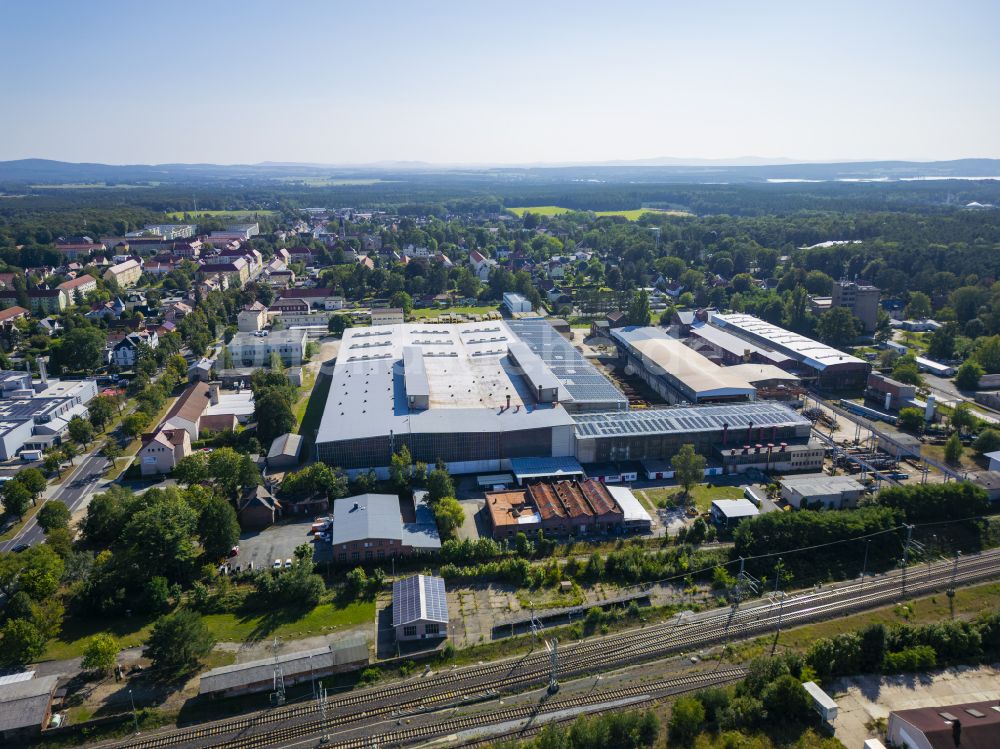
<point x="664" y="169"/>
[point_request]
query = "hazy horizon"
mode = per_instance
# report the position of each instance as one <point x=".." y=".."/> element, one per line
<point x="458" y="84"/>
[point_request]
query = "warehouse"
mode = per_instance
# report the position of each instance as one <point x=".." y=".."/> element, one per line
<point x="25" y="705"/>
<point x="659" y="433"/>
<point x="820" y="490"/>
<point x="730" y="349"/>
<point x="471" y="394"/>
<point x="811" y="359"/>
<point x="419" y="608"/>
<point x="677" y="373"/>
<point x="349" y="654"/>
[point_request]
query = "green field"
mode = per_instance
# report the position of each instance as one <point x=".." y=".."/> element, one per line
<point x="237" y="215"/>
<point x="424" y="313"/>
<point x="702" y="495"/>
<point x="321" y="620"/>
<point x="554" y="210"/>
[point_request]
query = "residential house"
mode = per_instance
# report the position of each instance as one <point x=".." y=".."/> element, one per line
<point x="327" y="299"/>
<point x="258" y="509"/>
<point x="189" y="250"/>
<point x="82" y="285"/>
<point x="125" y="352"/>
<point x="300" y="255"/>
<point x="252" y="317"/>
<point x="73" y="250"/>
<point x="188" y="409"/>
<point x="235" y="271"/>
<point x="124" y="274"/>
<point x="176" y="311"/>
<point x="11" y="315"/>
<point x="255" y="349"/>
<point x="163" y="450"/>
<point x="481" y="265"/>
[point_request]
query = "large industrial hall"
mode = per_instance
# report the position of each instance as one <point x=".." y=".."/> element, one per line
<point x="479" y="395"/>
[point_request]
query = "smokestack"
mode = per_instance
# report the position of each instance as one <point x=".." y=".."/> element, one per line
<point x="213" y="393"/>
<point x="930" y="408"/>
<point x="888" y="401"/>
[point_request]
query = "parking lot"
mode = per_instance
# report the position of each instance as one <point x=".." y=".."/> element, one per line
<point x="276" y="542"/>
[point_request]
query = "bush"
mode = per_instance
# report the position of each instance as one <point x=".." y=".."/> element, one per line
<point x="911" y="659"/>
<point x="686" y="720"/>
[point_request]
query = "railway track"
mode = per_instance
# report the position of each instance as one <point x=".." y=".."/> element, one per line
<point x="680" y="634"/>
<point x="635" y="694"/>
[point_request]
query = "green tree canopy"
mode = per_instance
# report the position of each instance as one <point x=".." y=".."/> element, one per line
<point x="178" y="642"/>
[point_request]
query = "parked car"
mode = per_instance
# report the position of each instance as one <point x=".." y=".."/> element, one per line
<point x="21" y="547"/>
<point x="234" y="551"/>
<point x="276" y="565"/>
<point x="288" y="563"/>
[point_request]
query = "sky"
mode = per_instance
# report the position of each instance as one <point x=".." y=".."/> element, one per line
<point x="497" y="83"/>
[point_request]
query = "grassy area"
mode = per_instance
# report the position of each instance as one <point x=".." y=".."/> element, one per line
<point x="313" y="412"/>
<point x="308" y="381"/>
<point x="968" y="604"/>
<point x="321" y="620"/>
<point x="550" y="598"/>
<point x="636" y="213"/>
<point x="554" y="210"/>
<point x="424" y="313"/>
<point x="131" y="632"/>
<point x="236" y="215"/>
<point x="16" y="528"/>
<point x="702" y="495"/>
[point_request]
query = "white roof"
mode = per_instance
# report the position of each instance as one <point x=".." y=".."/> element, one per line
<point x="661" y="353"/>
<point x="736" y="508"/>
<point x="817" y="355"/>
<point x="631" y="507"/>
<point x="821" y="697"/>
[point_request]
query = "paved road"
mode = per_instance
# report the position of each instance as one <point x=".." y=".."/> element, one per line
<point x="74" y="491"/>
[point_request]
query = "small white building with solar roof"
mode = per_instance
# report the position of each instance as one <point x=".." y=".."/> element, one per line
<point x="419" y="608"/>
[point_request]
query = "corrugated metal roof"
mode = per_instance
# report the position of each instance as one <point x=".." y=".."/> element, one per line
<point x="686" y="419"/>
<point x="817" y="355"/>
<point x="352" y="650"/>
<point x="24" y="703"/>
<point x="366" y="516"/>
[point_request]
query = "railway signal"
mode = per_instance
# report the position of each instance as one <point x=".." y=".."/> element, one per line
<point x="553" y="647"/>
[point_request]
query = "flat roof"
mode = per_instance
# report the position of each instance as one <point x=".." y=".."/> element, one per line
<point x="469" y="376"/>
<point x="754" y="373"/>
<point x="686" y="419"/>
<point x="531" y="468"/>
<point x="817" y="355"/>
<point x="630" y="506"/>
<point x="662" y="354"/>
<point x="980" y="724"/>
<point x="821" y="484"/>
<point x="736" y="508"/>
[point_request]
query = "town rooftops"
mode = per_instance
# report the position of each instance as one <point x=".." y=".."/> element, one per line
<point x="191" y="404"/>
<point x="12" y="312"/>
<point x="75" y="283"/>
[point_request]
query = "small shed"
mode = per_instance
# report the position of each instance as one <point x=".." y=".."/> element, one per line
<point x="728" y="513"/>
<point x="285" y="452"/>
<point x="419" y="608"/>
<point x="201" y="370"/>
<point x="822" y="702"/>
<point x="25" y="706"/>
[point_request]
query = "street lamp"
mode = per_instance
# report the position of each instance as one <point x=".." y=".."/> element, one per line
<point x="135" y="716"/>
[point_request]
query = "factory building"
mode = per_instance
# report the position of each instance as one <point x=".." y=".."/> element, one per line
<point x="811" y="359"/>
<point x="820" y="490"/>
<point x="500" y="396"/>
<point x="677" y="373"/>
<point x="713" y="430"/>
<point x="564" y="508"/>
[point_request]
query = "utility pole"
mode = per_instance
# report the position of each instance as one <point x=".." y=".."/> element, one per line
<point x="864" y="567"/>
<point x="778" y="569"/>
<point x="135" y="716"/>
<point x="906" y="553"/>
<point x="278" y="695"/>
<point x="321" y="695"/>
<point x="554" y="665"/>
